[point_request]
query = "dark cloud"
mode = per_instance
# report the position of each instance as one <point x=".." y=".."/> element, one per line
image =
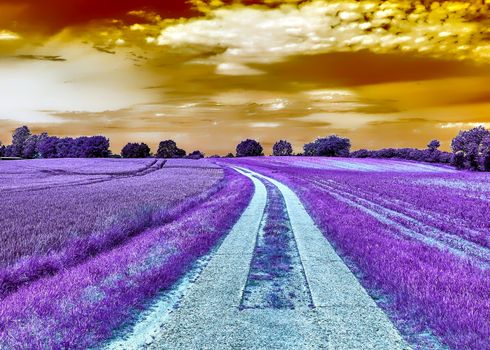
<point x="54" y="15"/>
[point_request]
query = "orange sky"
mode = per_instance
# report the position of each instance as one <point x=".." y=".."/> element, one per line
<point x="210" y="73"/>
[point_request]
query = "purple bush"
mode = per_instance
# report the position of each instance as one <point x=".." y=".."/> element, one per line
<point x="169" y="149"/>
<point x="249" y="148"/>
<point x="430" y="155"/>
<point x="195" y="155"/>
<point x="136" y="150"/>
<point x="282" y="148"/>
<point x="330" y="146"/>
<point x="473" y="146"/>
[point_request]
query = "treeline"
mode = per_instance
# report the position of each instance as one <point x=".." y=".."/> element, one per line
<point x="470" y="149"/>
<point x="29" y="146"/>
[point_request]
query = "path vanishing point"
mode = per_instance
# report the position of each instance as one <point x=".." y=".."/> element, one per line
<point x="223" y="305"/>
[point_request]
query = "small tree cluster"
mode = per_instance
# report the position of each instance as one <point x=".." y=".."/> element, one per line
<point x="330" y="146"/>
<point x="195" y="155"/>
<point x="431" y="154"/>
<point x="282" y="148"/>
<point x="249" y="148"/>
<point x="169" y="149"/>
<point x="80" y="147"/>
<point x="136" y="150"/>
<point x="471" y="149"/>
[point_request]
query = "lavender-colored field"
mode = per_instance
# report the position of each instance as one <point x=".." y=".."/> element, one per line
<point x="418" y="237"/>
<point x="87" y="244"/>
<point x="80" y="259"/>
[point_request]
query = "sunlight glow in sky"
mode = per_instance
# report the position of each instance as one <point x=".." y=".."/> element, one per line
<point x="210" y="73"/>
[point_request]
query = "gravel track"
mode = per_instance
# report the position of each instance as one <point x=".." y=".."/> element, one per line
<point x="343" y="315"/>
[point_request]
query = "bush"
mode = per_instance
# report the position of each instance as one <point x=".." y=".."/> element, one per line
<point x="249" y="148"/>
<point x="473" y="146"/>
<point x="136" y="150"/>
<point x="282" y="148"/>
<point x="195" y="155"/>
<point x="169" y="149"/>
<point x="434" y="145"/>
<point x="330" y="146"/>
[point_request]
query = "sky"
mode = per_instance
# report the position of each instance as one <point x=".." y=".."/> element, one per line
<point x="209" y="73"/>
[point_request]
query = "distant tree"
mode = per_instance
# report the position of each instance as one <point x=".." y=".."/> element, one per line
<point x="196" y="155"/>
<point x="47" y="147"/>
<point x="330" y="146"/>
<point x="434" y="145"/>
<point x="230" y="155"/>
<point x="458" y="160"/>
<point x="484" y="153"/>
<point x="19" y="138"/>
<point x="361" y="153"/>
<point x="471" y="144"/>
<point x="169" y="149"/>
<point x="282" y="148"/>
<point x="2" y="150"/>
<point x="136" y="150"/>
<point x="249" y="148"/>
<point x="96" y="147"/>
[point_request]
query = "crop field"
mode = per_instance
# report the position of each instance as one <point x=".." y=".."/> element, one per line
<point x="243" y="253"/>
<point x="417" y="236"/>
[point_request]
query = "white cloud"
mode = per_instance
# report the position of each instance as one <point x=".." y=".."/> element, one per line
<point x="254" y="34"/>
<point x="7" y="35"/>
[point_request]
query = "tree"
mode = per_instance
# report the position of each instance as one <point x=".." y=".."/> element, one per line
<point x="169" y="149"/>
<point x="19" y="138"/>
<point x="458" y="160"/>
<point x="2" y="150"/>
<point x="282" y="148"/>
<point x="47" y="147"/>
<point x="472" y="146"/>
<point x="434" y="145"/>
<point x="249" y="148"/>
<point x="330" y="146"/>
<point x="485" y="154"/>
<point x="136" y="150"/>
<point x="196" y="155"/>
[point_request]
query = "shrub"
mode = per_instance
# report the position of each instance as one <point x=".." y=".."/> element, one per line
<point x="474" y="145"/>
<point x="282" y="148"/>
<point x="195" y="155"/>
<point x="330" y="146"/>
<point x="136" y="150"/>
<point x="249" y="148"/>
<point x="434" y="145"/>
<point x="169" y="149"/>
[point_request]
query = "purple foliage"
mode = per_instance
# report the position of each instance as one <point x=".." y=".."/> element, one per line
<point x="81" y="306"/>
<point x="169" y="149"/>
<point x="430" y="155"/>
<point x="81" y="147"/>
<point x="330" y="146"/>
<point x="282" y="148"/>
<point x="418" y="242"/>
<point x="136" y="150"/>
<point x="195" y="155"/>
<point x="249" y="148"/>
<point x="472" y="149"/>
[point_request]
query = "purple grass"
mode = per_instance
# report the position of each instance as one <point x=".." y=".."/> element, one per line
<point x="60" y="248"/>
<point x="428" y="287"/>
<point x="81" y="306"/>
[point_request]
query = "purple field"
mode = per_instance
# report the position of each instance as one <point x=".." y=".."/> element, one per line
<point x="417" y="236"/>
<point x="87" y="243"/>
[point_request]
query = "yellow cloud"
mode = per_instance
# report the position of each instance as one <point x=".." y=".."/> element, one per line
<point x="261" y="34"/>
